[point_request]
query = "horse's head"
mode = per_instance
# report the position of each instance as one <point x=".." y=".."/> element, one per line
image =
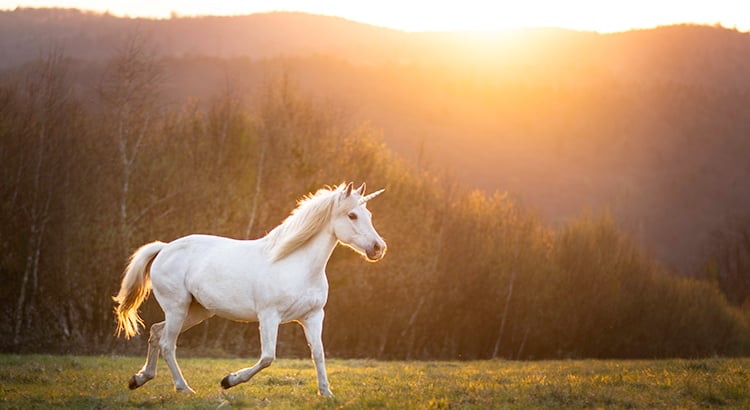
<point x="352" y="223"/>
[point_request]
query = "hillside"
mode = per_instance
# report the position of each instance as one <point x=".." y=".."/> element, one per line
<point x="652" y="124"/>
<point x="24" y="32"/>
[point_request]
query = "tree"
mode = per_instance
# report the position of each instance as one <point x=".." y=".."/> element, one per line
<point x="41" y="170"/>
<point x="729" y="262"/>
<point x="130" y="92"/>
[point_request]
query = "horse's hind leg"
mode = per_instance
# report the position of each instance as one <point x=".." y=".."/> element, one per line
<point x="176" y="320"/>
<point x="148" y="371"/>
<point x="196" y="314"/>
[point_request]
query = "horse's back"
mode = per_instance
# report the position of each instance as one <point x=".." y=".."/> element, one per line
<point x="214" y="270"/>
<point x="198" y="253"/>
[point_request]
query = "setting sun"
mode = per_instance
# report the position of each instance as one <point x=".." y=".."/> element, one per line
<point x="472" y="15"/>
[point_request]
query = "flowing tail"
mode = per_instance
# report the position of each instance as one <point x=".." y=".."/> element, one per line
<point x="135" y="287"/>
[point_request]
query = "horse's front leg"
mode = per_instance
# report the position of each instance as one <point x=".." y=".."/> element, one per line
<point x="313" y="326"/>
<point x="269" y="329"/>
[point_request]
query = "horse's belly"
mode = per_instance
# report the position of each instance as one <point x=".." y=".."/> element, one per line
<point x="229" y="305"/>
<point x="236" y="314"/>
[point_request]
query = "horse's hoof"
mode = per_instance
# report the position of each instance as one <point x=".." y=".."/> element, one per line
<point x="133" y="383"/>
<point x="225" y="383"/>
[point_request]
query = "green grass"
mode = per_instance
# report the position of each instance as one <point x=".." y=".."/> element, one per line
<point x="42" y="381"/>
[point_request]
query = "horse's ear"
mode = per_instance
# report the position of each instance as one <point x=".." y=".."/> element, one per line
<point x="348" y="190"/>
<point x="361" y="189"/>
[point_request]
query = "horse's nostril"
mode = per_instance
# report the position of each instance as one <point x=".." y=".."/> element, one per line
<point x="376" y="246"/>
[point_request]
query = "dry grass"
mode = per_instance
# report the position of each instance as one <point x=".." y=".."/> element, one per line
<point x="42" y="381"/>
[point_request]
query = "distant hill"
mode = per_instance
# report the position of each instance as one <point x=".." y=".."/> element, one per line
<point x="696" y="54"/>
<point x="653" y="125"/>
<point x="85" y="35"/>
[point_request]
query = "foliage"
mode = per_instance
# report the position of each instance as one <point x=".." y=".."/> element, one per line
<point x="87" y="382"/>
<point x="729" y="263"/>
<point x="468" y="275"/>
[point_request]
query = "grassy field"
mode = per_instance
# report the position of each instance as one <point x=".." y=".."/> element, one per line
<point x="41" y="381"/>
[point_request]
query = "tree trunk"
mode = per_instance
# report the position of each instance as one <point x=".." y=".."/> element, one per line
<point x="498" y="342"/>
<point x="258" y="191"/>
<point x="38" y="220"/>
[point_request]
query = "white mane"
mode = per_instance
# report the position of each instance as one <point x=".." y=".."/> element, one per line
<point x="311" y="214"/>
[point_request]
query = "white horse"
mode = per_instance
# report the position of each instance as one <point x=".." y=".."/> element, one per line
<point x="275" y="279"/>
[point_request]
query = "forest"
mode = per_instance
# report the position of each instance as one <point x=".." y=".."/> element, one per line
<point x="100" y="157"/>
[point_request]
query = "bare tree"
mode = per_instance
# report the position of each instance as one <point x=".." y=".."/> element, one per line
<point x="729" y="262"/>
<point x="46" y="92"/>
<point x="130" y="92"/>
<point x="509" y="296"/>
<point x="278" y="104"/>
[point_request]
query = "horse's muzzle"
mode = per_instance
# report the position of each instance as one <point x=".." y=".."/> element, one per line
<point x="376" y="252"/>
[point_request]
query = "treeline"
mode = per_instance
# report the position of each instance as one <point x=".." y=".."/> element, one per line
<point x="86" y="180"/>
<point x="652" y="124"/>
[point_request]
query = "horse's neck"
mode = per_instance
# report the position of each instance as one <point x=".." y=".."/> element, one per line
<point x="314" y="253"/>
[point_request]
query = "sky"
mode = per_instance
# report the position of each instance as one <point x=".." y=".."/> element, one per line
<point x="426" y="15"/>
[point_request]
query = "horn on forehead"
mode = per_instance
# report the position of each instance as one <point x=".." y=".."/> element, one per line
<point x="369" y="197"/>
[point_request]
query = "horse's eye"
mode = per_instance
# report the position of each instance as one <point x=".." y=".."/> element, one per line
<point x="352" y="216"/>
